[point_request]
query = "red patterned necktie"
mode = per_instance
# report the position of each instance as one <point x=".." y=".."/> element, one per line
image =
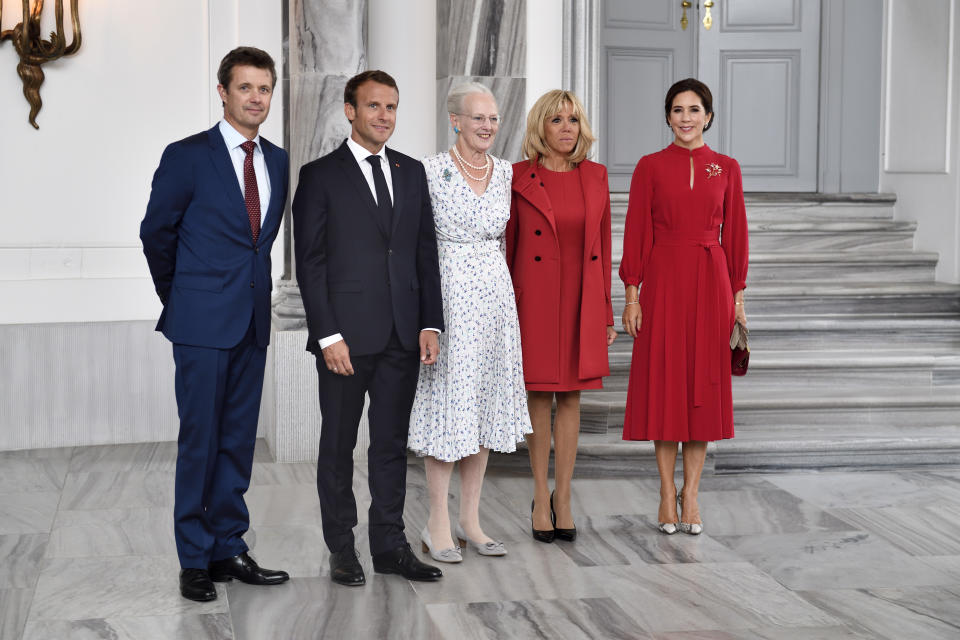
<point x="251" y="194"/>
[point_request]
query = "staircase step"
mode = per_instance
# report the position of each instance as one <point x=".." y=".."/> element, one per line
<point x="854" y="370"/>
<point x="603" y="411"/>
<point x="832" y="297"/>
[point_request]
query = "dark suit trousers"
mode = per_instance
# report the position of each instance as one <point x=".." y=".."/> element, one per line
<point x="218" y="399"/>
<point x="390" y="377"/>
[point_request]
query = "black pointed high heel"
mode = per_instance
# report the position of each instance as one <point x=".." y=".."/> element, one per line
<point x="564" y="534"/>
<point x="540" y="535"/>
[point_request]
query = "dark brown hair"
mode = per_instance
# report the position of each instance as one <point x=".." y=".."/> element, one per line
<point x="689" y="84"/>
<point x="245" y="57"/>
<point x="380" y="77"/>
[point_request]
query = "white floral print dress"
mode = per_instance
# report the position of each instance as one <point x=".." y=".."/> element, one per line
<point x="474" y="396"/>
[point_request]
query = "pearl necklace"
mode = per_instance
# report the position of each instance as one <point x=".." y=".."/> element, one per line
<point x="464" y="164"/>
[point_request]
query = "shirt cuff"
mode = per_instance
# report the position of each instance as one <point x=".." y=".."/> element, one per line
<point x="432" y="329"/>
<point x="329" y="340"/>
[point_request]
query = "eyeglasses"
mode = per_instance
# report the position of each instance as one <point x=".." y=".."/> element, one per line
<point x="479" y="120"/>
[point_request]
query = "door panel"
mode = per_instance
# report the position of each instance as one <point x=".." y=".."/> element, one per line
<point x="643" y="51"/>
<point x="761" y="60"/>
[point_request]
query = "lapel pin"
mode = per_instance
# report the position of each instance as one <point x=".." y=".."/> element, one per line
<point x="396" y="164"/>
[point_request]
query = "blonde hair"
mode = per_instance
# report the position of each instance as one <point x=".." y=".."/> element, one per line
<point x="548" y="105"/>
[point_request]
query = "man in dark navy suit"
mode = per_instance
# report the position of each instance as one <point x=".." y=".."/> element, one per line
<point x="366" y="254"/>
<point x="214" y="211"/>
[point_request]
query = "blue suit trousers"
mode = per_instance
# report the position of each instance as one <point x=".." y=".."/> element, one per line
<point x="218" y="399"/>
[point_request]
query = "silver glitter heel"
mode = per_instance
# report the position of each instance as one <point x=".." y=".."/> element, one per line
<point x="492" y="548"/>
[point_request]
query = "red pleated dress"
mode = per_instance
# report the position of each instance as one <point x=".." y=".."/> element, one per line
<point x="686" y="247"/>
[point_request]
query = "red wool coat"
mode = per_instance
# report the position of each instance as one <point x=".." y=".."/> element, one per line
<point x="533" y="255"/>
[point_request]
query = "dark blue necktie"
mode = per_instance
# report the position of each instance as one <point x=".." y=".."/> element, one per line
<point x="384" y="205"/>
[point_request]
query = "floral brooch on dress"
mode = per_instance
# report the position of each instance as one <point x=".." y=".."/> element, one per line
<point x="713" y="170"/>
<point x="447" y="175"/>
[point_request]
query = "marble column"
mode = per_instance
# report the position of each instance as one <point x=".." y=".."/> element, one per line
<point x="324" y="47"/>
<point x="484" y="41"/>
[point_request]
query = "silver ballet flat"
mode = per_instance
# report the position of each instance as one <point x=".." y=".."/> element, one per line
<point x="686" y="527"/>
<point x="492" y="548"/>
<point x="451" y="555"/>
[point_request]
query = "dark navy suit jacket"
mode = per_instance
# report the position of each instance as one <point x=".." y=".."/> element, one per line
<point x="209" y="274"/>
<point x="356" y="277"/>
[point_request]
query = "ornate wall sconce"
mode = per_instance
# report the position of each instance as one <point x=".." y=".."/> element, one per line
<point x="34" y="50"/>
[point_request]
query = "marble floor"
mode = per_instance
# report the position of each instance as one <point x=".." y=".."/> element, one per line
<point x="87" y="551"/>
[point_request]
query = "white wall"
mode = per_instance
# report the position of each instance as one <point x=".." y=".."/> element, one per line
<point x="74" y="192"/>
<point x="402" y="40"/>
<point x="544" y="49"/>
<point x="921" y="136"/>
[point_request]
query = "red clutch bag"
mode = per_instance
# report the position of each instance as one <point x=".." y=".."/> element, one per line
<point x="739" y="350"/>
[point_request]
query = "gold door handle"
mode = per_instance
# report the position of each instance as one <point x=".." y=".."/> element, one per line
<point x="707" y="18"/>
<point x="683" y="21"/>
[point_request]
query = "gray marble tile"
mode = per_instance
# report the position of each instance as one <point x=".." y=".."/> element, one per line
<point x="563" y="619"/>
<point x="84" y="588"/>
<point x="757" y="512"/>
<point x="272" y="505"/>
<point x="689" y="597"/>
<point x="589" y="496"/>
<point x="480" y="37"/>
<point x="29" y="471"/>
<point x="874" y="489"/>
<point x="28" y="512"/>
<point x="896" y="613"/>
<point x="113" y="532"/>
<point x="14" y="607"/>
<point x="627" y="539"/>
<point x="297" y="549"/>
<point x="118" y="490"/>
<point x="305" y="608"/>
<point x="834" y="560"/>
<point x="145" y="456"/>
<point x="771" y="633"/>
<point x="21" y="556"/>
<point x="531" y="571"/>
<point x="920" y="531"/>
<point x="272" y="473"/>
<point x="949" y="565"/>
<point x="214" y="626"/>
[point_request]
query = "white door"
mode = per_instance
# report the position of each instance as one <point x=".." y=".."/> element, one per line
<point x="644" y="50"/>
<point x="760" y="59"/>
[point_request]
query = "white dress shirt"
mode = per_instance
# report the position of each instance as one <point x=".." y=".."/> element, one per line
<point x="361" y="155"/>
<point x="234" y="139"/>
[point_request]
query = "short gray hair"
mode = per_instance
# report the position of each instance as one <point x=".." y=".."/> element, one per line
<point x="458" y="93"/>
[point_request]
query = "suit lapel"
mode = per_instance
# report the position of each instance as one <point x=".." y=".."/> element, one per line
<point x="528" y="185"/>
<point x="349" y="165"/>
<point x="220" y="157"/>
<point x="395" y="168"/>
<point x="274" y="164"/>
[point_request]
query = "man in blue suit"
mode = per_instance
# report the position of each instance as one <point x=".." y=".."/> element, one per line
<point x="215" y="207"/>
<point x="366" y="253"/>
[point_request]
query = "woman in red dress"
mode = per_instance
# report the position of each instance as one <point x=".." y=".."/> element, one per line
<point x="558" y="251"/>
<point x="686" y="241"/>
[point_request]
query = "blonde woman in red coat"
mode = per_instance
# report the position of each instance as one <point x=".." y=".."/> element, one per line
<point x="558" y="251"/>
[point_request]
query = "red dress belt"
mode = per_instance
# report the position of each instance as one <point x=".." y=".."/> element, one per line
<point x="707" y="304"/>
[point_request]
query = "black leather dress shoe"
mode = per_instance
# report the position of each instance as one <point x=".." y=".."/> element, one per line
<point x="562" y="534"/>
<point x="195" y="584"/>
<point x="402" y="560"/>
<point x="245" y="569"/>
<point x="345" y="568"/>
<point x="540" y="535"/>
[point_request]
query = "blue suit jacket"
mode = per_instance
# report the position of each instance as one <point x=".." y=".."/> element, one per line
<point x="209" y="274"/>
<point x="357" y="278"/>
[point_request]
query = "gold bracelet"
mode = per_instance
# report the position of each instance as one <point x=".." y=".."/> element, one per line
<point x="634" y="302"/>
<point x="739" y="304"/>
